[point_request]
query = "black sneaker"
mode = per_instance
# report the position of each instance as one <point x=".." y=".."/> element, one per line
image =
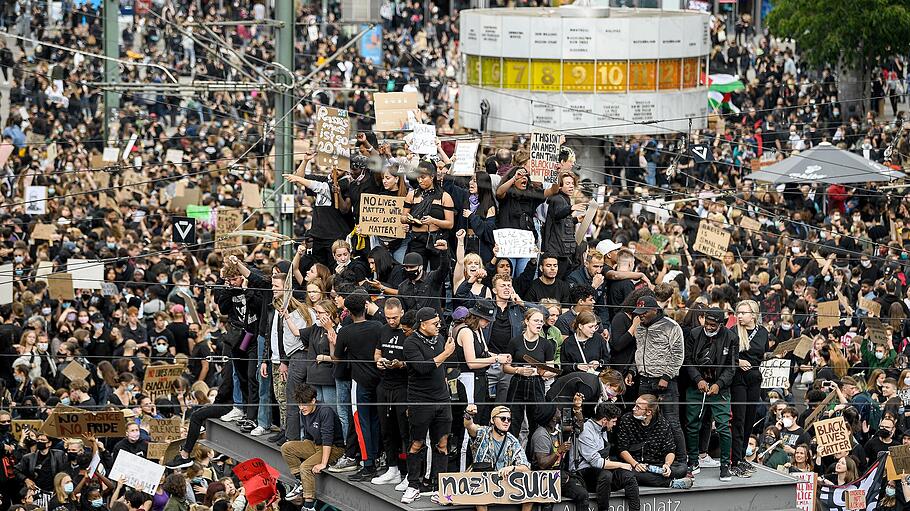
<point x="179" y="462"/>
<point x="364" y="474"/>
<point x="725" y="472"/>
<point x="427" y="490"/>
<point x="736" y="471"/>
<point x="276" y="437"/>
<point x="747" y="467"/>
<point x="694" y="469"/>
<point x="246" y="425"/>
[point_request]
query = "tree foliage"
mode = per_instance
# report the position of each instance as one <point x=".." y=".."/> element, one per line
<point x="850" y="32"/>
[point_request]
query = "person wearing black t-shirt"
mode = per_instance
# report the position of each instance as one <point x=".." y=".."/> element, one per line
<point x="508" y="322"/>
<point x="746" y="386"/>
<point x="425" y="354"/>
<point x="547" y="285"/>
<point x="527" y="386"/>
<point x="791" y="434"/>
<point x="393" y="387"/>
<point x="357" y="342"/>
<point x="882" y="441"/>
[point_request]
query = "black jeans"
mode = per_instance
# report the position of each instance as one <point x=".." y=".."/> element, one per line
<point x="603" y="482"/>
<point x="669" y="408"/>
<point x="677" y="471"/>
<point x="394" y="423"/>
<point x="525" y="395"/>
<point x="746" y="388"/>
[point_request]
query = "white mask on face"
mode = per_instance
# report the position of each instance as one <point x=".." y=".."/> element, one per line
<point x="787" y="422"/>
<point x="866" y="264"/>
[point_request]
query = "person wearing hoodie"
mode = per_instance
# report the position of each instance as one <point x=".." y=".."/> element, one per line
<point x="710" y="357"/>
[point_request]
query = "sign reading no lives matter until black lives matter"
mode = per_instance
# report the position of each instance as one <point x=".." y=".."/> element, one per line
<point x="380" y="215"/>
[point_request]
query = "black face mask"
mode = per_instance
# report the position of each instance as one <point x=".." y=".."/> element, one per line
<point x="72" y="456"/>
<point x="883" y="433"/>
<point x="5" y="428"/>
<point x="411" y="274"/>
<point x="44" y="446"/>
<point x="29" y="442"/>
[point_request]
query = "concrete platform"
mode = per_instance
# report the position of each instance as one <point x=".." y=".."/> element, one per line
<point x="766" y="490"/>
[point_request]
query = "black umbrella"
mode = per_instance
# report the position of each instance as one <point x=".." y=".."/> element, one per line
<point x="827" y="164"/>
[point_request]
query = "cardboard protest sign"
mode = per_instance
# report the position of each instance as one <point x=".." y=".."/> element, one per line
<point x="75" y="371"/>
<point x="333" y="138"/>
<point x="229" y="220"/>
<point x="785" y="347"/>
<point x="582" y="228"/>
<point x="160" y="451"/>
<point x="819" y="409"/>
<point x="775" y="373"/>
<point x="380" y="215"/>
<point x="159" y="379"/>
<point x="871" y="306"/>
<point x="711" y="240"/>
<point x="140" y="473"/>
<point x="5" y="151"/>
<point x="60" y="286"/>
<point x="515" y="243"/>
<point x="110" y="155"/>
<point x="184" y="199"/>
<point x="173" y="156"/>
<point x="875" y="331"/>
<point x="165" y="430"/>
<point x="855" y="500"/>
<point x="544" y="163"/>
<point x="828" y="314"/>
<point x="832" y="436"/>
<point x="900" y="458"/>
<point x="465" y="157"/>
<point x="6" y="283"/>
<point x="805" y="345"/>
<point x="259" y="480"/>
<point x="62" y="423"/>
<point x="21" y="425"/>
<point x="87" y="273"/>
<point x="423" y="139"/>
<point x="805" y="490"/>
<point x="252" y="197"/>
<point x="396" y="111"/>
<point x="484" y="488"/>
<point x="44" y="231"/>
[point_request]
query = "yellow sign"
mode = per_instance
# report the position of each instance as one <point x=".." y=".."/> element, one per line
<point x="517" y="74"/>
<point x="491" y="72"/>
<point x="546" y="75"/>
<point x="473" y="70"/>
<point x="642" y="75"/>
<point x="669" y="74"/>
<point x="611" y="75"/>
<point x="577" y="76"/>
<point x="690" y="73"/>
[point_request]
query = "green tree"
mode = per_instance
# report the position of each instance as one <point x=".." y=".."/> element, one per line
<point x="852" y="36"/>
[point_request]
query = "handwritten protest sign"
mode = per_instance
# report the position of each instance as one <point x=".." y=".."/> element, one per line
<point x="876" y="332"/>
<point x="855" y="499"/>
<point x="165" y="430"/>
<point x="140" y="473"/>
<point x="229" y="220"/>
<point x="804" y="346"/>
<point x="87" y="273"/>
<point x="423" y="139"/>
<point x="465" y="157"/>
<point x="333" y="138"/>
<point x="785" y="347"/>
<point x="515" y="243"/>
<point x="832" y="436"/>
<point x="828" y="314"/>
<point x="805" y="490"/>
<point x="775" y="373"/>
<point x="259" y="480"/>
<point x="711" y="240"/>
<point x="904" y="394"/>
<point x="396" y="111"/>
<point x="871" y="306"/>
<point x="20" y="426"/>
<point x="380" y="215"/>
<point x="544" y="164"/>
<point x="750" y="225"/>
<point x="74" y="371"/>
<point x="252" y="197"/>
<point x="159" y="379"/>
<point x="65" y="423"/>
<point x="60" y="286"/>
<point x="484" y="488"/>
<point x="36" y="200"/>
<point x="900" y="458"/>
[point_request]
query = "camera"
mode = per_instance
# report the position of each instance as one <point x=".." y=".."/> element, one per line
<point x="567" y="426"/>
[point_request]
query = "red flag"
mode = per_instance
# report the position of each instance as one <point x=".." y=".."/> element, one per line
<point x="260" y="480"/>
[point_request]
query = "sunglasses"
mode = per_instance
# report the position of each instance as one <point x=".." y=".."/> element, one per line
<point x="505" y="419"/>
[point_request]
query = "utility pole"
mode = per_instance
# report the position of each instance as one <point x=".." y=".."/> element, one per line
<point x="284" y="130"/>
<point x="111" y="12"/>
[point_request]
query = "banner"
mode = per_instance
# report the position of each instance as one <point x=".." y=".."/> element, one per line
<point x="159" y="379"/>
<point x="834" y="498"/>
<point x="544" y="164"/>
<point x="711" y="240"/>
<point x="515" y="243"/>
<point x="333" y="138"/>
<point x="832" y="436"/>
<point x="484" y="488"/>
<point x="805" y="490"/>
<point x="775" y="373"/>
<point x="140" y="473"/>
<point x="370" y="45"/>
<point x="380" y="215"/>
<point x="259" y="480"/>
<point x="63" y="424"/>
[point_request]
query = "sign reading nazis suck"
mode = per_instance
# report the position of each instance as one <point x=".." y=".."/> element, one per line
<point x="483" y="488"/>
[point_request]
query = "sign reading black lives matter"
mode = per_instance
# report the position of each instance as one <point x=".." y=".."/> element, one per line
<point x="333" y="128"/>
<point x="183" y="230"/>
<point x="544" y="164"/>
<point x="380" y="215"/>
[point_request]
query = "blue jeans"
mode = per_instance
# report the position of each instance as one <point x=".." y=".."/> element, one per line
<point x="518" y="265"/>
<point x="368" y="416"/>
<point x="651" y="176"/>
<point x="343" y="403"/>
<point x="237" y="394"/>
<point x="264" y="417"/>
<point x="326" y="394"/>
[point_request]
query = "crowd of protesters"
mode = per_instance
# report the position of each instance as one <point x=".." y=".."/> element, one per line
<point x="622" y="367"/>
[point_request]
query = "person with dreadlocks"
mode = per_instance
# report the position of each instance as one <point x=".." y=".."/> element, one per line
<point x="430" y="212"/>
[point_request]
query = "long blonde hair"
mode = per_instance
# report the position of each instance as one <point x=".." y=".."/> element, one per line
<point x="741" y="330"/>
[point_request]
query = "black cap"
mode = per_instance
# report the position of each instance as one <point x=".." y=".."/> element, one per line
<point x="412" y="259"/>
<point x="426" y="314"/>
<point x="644" y="304"/>
<point x="715" y="314"/>
<point x="483" y="309"/>
<point x="96" y="318"/>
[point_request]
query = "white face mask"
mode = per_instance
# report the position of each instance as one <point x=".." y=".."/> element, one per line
<point x="907" y="380"/>
<point x="879" y="355"/>
<point x="795" y="250"/>
<point x="712" y="334"/>
<point x="42" y="347"/>
<point x="866" y="264"/>
<point x="787" y="422"/>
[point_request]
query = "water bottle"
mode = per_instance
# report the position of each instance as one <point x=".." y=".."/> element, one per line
<point x="655" y="469"/>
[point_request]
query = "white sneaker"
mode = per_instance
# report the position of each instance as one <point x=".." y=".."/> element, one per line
<point x="258" y="431"/>
<point x="410" y="495"/>
<point x="708" y="462"/>
<point x="294" y="492"/>
<point x="344" y="464"/>
<point x="234" y="414"/>
<point x="402" y="486"/>
<point x="391" y="476"/>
